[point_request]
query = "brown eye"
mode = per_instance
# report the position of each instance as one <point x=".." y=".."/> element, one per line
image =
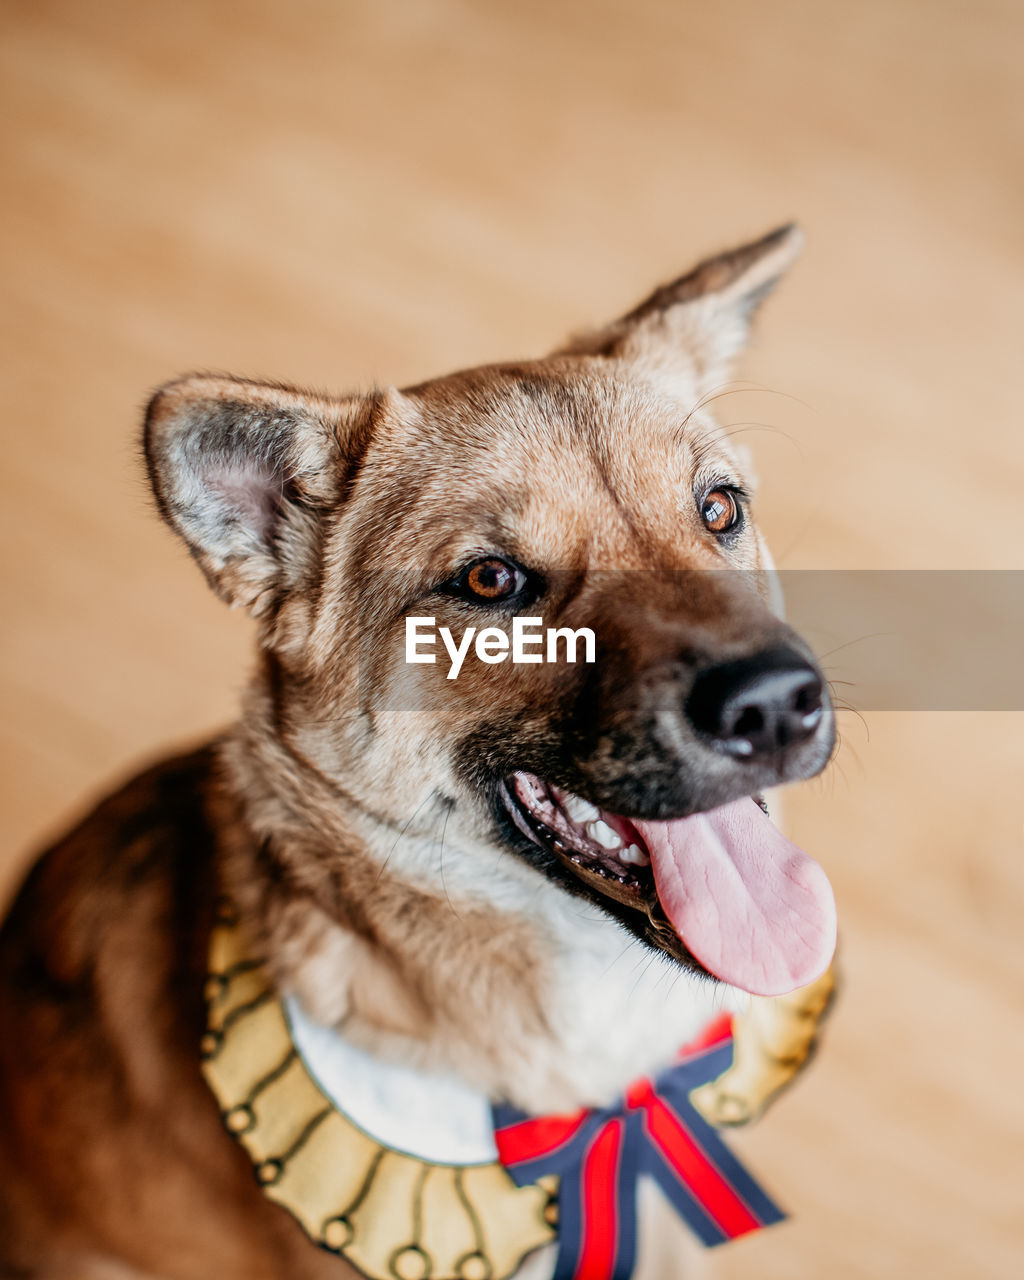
<point x="721" y="511"/>
<point x="493" y="580"/>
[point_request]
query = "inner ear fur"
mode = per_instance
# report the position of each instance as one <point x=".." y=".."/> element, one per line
<point x="242" y="470"/>
<point x="700" y="322"/>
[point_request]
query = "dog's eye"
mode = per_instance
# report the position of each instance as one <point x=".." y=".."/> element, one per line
<point x="720" y="511"/>
<point x="491" y="580"/>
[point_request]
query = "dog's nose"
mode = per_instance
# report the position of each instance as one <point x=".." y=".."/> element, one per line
<point x="754" y="707"/>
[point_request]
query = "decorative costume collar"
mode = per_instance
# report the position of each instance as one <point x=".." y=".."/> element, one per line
<point x="413" y="1176"/>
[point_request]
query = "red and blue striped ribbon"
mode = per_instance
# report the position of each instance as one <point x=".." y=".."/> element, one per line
<point x="599" y="1156"/>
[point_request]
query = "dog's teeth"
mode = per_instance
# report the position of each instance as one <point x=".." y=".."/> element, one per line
<point x="634" y="855"/>
<point x="604" y="835"/>
<point x="575" y="857"/>
<point x="578" y="809"/>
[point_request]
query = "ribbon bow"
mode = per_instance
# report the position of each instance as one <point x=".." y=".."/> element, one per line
<point x="599" y="1156"/>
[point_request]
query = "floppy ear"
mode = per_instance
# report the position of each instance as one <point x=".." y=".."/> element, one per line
<point x="700" y="322"/>
<point x="241" y="470"/>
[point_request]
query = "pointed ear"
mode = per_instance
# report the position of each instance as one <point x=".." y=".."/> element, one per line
<point x="699" y="323"/>
<point x="242" y="470"/>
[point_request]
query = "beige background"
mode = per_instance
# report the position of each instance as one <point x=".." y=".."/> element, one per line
<point x="340" y="193"/>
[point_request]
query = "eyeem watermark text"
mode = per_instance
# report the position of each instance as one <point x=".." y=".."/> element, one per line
<point x="530" y="642"/>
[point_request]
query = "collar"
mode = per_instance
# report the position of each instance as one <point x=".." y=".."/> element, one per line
<point x="414" y="1176"/>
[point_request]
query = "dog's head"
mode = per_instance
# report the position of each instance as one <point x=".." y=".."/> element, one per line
<point x="590" y="490"/>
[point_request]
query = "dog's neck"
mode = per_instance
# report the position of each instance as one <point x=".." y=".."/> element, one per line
<point x="528" y="994"/>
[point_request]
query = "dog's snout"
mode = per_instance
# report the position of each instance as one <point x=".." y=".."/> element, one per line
<point x="754" y="707"/>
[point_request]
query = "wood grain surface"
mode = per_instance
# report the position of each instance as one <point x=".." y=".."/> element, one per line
<point x="340" y="194"/>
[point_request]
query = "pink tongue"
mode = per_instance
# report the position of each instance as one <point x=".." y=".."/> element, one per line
<point x="754" y="909"/>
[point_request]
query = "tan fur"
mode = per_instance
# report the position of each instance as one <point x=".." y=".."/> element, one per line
<point x="340" y="814"/>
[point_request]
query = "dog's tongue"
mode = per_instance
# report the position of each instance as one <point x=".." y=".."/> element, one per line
<point x="754" y="909"/>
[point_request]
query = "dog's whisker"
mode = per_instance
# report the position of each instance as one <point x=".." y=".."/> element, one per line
<point x="842" y="705"/>
<point x="430" y="798"/>
<point x="734" y="429"/>
<point x="624" y="952"/>
<point x="444" y="884"/>
<point x="870" y="635"/>
<point x="643" y="974"/>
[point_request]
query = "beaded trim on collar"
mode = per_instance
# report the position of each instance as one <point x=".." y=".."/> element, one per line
<point x="393" y="1215"/>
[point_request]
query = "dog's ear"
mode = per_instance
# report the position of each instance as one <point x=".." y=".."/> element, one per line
<point x="242" y="471"/>
<point x="700" y="322"/>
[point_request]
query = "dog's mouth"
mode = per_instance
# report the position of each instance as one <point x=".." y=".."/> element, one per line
<point x="723" y="891"/>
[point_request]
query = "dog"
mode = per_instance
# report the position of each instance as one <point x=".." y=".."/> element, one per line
<point x="534" y="881"/>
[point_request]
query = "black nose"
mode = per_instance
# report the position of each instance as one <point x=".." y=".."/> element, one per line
<point x="755" y="706"/>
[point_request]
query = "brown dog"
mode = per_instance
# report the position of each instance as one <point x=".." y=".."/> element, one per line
<point x="523" y="875"/>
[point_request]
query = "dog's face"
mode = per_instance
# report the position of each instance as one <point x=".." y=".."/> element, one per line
<point x="591" y="490"/>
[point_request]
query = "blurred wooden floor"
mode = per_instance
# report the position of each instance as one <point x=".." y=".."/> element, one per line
<point x="339" y="193"/>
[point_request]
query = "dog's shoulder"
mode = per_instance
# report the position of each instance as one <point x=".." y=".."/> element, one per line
<point x="138" y="864"/>
<point x="102" y="959"/>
